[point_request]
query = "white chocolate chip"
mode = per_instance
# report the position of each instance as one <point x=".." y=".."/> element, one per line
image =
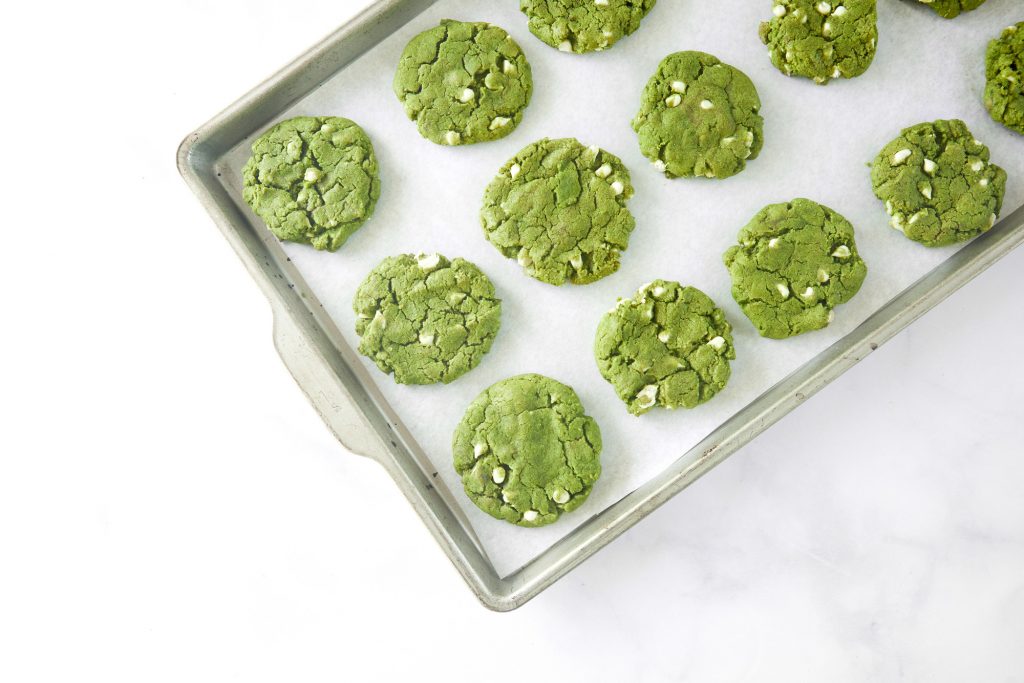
<point x="452" y="137"/>
<point x="514" y="170"/>
<point x="428" y="261"/>
<point x="842" y="251"/>
<point x="658" y="291"/>
<point x="679" y="87"/>
<point x="504" y="495"/>
<point x="601" y="3"/>
<point x="706" y="104"/>
<point x="618" y="188"/>
<point x="836" y="73"/>
<point x="930" y="167"/>
<point x="983" y="182"/>
<point x="808" y="293"/>
<point x="916" y="217"/>
<point x="823" y="8"/>
<point x="603" y="171"/>
<point x="560" y="496"/>
<point x="311" y="175"/>
<point x="565" y="46"/>
<point x="426" y="338"/>
<point x="783" y="290"/>
<point x="779" y="11"/>
<point x="823" y="276"/>
<point x="826" y="29"/>
<point x="498" y="475"/>
<point x="839" y="11"/>
<point x="498" y="122"/>
<point x="926" y="190"/>
<point x="901" y="156"/>
<point x="831" y="316"/>
<point x="467" y="95"/>
<point x="673" y="100"/>
<point x="576" y="262"/>
<point x="508" y="67"/>
<point x="991" y="220"/>
<point x="648" y="396"/>
<point x="977" y="165"/>
<point x="524" y="258"/>
<point x="717" y="343"/>
<point x="773" y="243"/>
<point x="897" y="222"/>
<point x="479" y="449"/>
<point x="659" y="166"/>
<point x="664" y="336"/>
<point x="530" y="515"/>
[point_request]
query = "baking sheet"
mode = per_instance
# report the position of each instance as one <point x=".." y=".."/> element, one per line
<point x="818" y="141"/>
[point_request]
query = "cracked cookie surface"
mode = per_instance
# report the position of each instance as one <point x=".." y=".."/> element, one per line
<point x="426" y="319"/>
<point x="937" y="183"/>
<point x="950" y="9"/>
<point x="1004" y="78"/>
<point x="559" y="209"/>
<point x="464" y="83"/>
<point x="795" y="262"/>
<point x="699" y="117"/>
<point x="668" y="346"/>
<point x="822" y="39"/>
<point x="526" y="450"/>
<point x="584" y="25"/>
<point x="312" y="180"/>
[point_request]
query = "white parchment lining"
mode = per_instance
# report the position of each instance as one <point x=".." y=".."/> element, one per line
<point x="818" y="141"/>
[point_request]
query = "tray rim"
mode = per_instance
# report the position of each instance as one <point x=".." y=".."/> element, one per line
<point x="308" y="341"/>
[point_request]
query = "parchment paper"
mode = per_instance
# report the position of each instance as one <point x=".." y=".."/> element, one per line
<point x="818" y="141"/>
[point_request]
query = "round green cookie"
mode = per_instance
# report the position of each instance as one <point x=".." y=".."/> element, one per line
<point x="526" y="451"/>
<point x="559" y="208"/>
<point x="822" y="39"/>
<point x="584" y="25"/>
<point x="425" y="318"/>
<point x="668" y="346"/>
<point x="937" y="183"/>
<point x="950" y="9"/>
<point x="312" y="180"/>
<point x="1004" y="75"/>
<point x="794" y="264"/>
<point x="699" y="117"/>
<point x="464" y="83"/>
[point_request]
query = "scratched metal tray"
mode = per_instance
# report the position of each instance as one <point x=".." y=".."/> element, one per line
<point x="326" y="368"/>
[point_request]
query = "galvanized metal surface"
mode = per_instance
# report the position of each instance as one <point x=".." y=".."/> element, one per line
<point x="322" y="364"/>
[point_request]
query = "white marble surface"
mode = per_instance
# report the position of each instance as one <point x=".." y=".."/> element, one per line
<point x="171" y="509"/>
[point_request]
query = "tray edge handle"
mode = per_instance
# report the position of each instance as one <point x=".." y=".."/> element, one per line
<point x="324" y="389"/>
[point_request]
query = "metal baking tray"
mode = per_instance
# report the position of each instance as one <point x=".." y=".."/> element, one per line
<point x="326" y="367"/>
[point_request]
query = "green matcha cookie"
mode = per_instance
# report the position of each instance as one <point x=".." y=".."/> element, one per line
<point x="312" y="180"/>
<point x="584" y="25"/>
<point x="425" y="318"/>
<point x="937" y="184"/>
<point x="526" y="451"/>
<point x="463" y="83"/>
<point x="559" y="208"/>
<point x="952" y="8"/>
<point x="794" y="264"/>
<point x="1004" y="74"/>
<point x="821" y="39"/>
<point x="699" y="117"/>
<point x="669" y="345"/>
